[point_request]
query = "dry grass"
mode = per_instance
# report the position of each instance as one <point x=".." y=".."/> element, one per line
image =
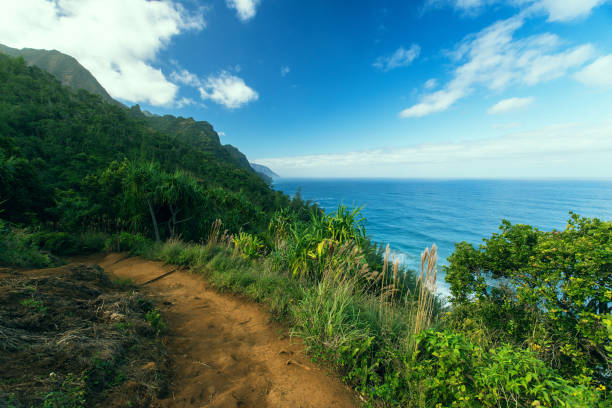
<point x="426" y="287"/>
<point x="69" y="330"/>
<point x="215" y="233"/>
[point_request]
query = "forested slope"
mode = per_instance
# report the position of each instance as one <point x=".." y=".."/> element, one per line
<point x="63" y="67"/>
<point x="61" y="151"/>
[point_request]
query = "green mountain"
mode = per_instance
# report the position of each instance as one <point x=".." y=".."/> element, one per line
<point x="71" y="73"/>
<point x="70" y="160"/>
<point x="199" y="134"/>
<point x="64" y="67"/>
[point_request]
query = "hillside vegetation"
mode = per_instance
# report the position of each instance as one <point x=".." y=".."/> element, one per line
<point x="69" y="161"/>
<point x="528" y="322"/>
<point x="63" y="67"/>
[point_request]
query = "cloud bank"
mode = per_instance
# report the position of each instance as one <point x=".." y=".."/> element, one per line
<point x="572" y="150"/>
<point x="116" y="40"/>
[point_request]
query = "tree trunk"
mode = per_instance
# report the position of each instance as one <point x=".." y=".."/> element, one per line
<point x="172" y="223"/>
<point x="154" y="220"/>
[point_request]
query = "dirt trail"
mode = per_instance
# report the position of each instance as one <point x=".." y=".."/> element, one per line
<point x="225" y="351"/>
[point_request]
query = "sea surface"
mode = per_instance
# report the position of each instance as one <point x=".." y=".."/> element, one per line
<point x="411" y="215"/>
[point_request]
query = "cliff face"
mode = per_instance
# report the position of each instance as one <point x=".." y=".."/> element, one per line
<point x="263" y="170"/>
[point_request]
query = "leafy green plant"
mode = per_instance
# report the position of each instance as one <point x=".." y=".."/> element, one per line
<point x="64" y="243"/>
<point x="70" y="393"/>
<point x="249" y="245"/>
<point x="34" y="304"/>
<point x="125" y="241"/>
<point x="451" y="371"/>
<point x="123" y="327"/>
<point x="17" y="249"/>
<point x="155" y="320"/>
<point x="280" y="223"/>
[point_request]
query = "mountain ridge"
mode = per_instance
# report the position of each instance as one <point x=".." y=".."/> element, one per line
<point x="72" y="74"/>
<point x="64" y="67"/>
<point x="265" y="171"/>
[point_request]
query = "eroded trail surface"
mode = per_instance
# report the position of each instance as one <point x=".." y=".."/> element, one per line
<point x="225" y="351"/>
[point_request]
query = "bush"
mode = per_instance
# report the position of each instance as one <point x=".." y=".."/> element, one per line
<point x="549" y="290"/>
<point x="67" y="244"/>
<point x="454" y="372"/>
<point x="70" y="393"/>
<point x="17" y="249"/>
<point x="136" y="244"/>
<point x="155" y="320"/>
<point x="249" y="245"/>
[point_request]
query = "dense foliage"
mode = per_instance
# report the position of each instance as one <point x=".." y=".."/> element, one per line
<point x="70" y="161"/>
<point x="553" y="293"/>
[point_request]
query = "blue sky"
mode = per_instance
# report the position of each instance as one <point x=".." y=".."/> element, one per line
<point x="424" y="88"/>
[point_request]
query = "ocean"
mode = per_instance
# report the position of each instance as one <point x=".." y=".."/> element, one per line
<point x="411" y="215"/>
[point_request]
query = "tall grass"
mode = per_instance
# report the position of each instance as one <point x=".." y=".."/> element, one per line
<point x="426" y="285"/>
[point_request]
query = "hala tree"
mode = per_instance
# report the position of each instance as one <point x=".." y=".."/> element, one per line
<point x="148" y="197"/>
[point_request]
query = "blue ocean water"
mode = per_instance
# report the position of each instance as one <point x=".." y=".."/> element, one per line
<point x="413" y="214"/>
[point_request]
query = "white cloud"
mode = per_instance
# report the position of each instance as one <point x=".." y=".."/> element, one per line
<point x="116" y="40"/>
<point x="430" y="83"/>
<point x="598" y="74"/>
<point x="400" y="58"/>
<point x="495" y="60"/>
<point x="185" y="77"/>
<point x="285" y="70"/>
<point x="228" y="90"/>
<point x="225" y="89"/>
<point x="566" y="10"/>
<point x="245" y="9"/>
<point x="185" y="102"/>
<point x="434" y="102"/>
<point x="556" y="10"/>
<point x="539" y="153"/>
<point x="510" y="104"/>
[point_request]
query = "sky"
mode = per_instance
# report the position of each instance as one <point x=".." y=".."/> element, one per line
<point x="407" y="89"/>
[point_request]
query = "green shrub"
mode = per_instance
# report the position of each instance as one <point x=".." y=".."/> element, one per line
<point x="136" y="244"/>
<point x="451" y="371"/>
<point x="556" y="295"/>
<point x="155" y="320"/>
<point x="70" y="393"/>
<point x="17" y="249"/>
<point x="249" y="245"/>
<point x="66" y="244"/>
<point x="34" y="304"/>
